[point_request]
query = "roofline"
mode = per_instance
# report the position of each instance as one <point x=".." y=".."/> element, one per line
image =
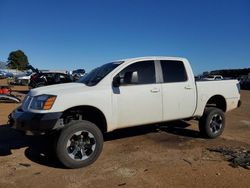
<point x="54" y="71"/>
<point x="153" y="58"/>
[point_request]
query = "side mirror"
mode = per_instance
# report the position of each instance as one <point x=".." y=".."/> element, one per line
<point x="116" y="81"/>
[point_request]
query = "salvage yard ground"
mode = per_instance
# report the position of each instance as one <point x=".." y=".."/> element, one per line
<point x="166" y="155"/>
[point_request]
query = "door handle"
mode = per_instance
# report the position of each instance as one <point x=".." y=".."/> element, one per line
<point x="155" y="90"/>
<point x="188" y="87"/>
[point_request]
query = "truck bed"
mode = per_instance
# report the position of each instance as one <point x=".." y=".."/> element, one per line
<point x="229" y="89"/>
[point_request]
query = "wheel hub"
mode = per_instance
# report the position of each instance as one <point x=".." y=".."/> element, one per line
<point x="216" y="123"/>
<point x="81" y="145"/>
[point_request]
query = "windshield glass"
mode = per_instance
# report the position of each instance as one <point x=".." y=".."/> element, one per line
<point x="97" y="74"/>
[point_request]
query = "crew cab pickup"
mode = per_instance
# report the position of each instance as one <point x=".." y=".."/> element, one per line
<point x="121" y="94"/>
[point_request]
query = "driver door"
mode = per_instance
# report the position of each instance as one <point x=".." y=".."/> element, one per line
<point x="138" y="99"/>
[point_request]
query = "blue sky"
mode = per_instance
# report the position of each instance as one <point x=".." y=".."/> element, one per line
<point x="212" y="34"/>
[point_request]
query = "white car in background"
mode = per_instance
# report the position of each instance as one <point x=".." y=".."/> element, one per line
<point x="23" y="79"/>
<point x="214" y="77"/>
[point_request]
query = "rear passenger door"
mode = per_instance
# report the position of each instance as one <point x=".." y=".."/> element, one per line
<point x="178" y="91"/>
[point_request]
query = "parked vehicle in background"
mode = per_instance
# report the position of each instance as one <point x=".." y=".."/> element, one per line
<point x="122" y="94"/>
<point x="4" y="74"/>
<point x="77" y="74"/>
<point x="213" y="77"/>
<point x="45" y="78"/>
<point x="245" y="82"/>
<point x="11" y="73"/>
<point x="6" y="96"/>
<point x="23" y="79"/>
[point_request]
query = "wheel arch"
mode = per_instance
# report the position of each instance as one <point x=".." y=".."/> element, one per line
<point x="217" y="101"/>
<point x="86" y="112"/>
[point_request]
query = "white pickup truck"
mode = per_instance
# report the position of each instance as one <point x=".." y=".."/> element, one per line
<point x="120" y="94"/>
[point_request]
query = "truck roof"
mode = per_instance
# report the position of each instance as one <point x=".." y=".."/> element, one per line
<point x="153" y="58"/>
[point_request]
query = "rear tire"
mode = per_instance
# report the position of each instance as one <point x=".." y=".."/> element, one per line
<point x="212" y="123"/>
<point x="79" y="144"/>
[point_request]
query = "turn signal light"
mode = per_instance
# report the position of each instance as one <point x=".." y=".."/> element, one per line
<point x="49" y="103"/>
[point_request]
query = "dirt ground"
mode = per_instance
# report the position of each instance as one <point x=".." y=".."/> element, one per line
<point x="167" y="155"/>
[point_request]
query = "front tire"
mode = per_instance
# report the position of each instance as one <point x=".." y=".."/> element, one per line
<point x="79" y="144"/>
<point x="212" y="123"/>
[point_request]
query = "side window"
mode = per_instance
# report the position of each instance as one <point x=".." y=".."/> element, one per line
<point x="173" y="71"/>
<point x="142" y="72"/>
<point x="62" y="76"/>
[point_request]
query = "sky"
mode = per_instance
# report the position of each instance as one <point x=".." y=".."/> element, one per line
<point x="211" y="34"/>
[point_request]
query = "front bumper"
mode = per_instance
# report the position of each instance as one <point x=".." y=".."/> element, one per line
<point x="35" y="122"/>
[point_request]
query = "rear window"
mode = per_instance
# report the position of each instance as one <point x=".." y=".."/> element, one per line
<point x="173" y="71"/>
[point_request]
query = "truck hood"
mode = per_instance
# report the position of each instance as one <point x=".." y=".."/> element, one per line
<point x="60" y="89"/>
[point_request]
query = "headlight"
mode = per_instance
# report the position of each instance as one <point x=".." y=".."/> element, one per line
<point x="42" y="102"/>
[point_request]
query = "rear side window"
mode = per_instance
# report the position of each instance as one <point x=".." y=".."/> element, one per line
<point x="142" y="72"/>
<point x="173" y="71"/>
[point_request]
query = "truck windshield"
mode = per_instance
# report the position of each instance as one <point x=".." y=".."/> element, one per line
<point x="97" y="74"/>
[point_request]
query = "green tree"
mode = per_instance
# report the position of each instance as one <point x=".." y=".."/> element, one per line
<point x="18" y="60"/>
